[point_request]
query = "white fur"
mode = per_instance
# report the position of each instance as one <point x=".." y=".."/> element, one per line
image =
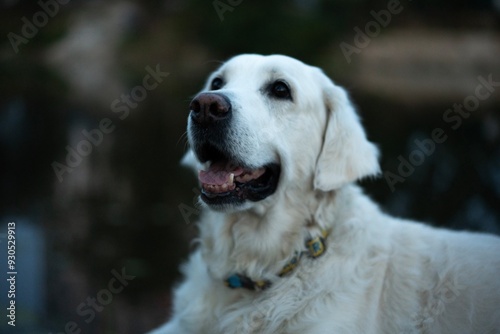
<point x="379" y="274"/>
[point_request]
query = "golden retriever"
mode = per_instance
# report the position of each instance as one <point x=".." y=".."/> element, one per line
<point x="290" y="244"/>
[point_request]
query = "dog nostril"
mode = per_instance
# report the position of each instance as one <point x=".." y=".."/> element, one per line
<point x="195" y="106"/>
<point x="216" y="109"/>
<point x="207" y="108"/>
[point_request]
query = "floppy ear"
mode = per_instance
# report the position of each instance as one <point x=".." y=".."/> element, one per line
<point x="189" y="160"/>
<point x="346" y="155"/>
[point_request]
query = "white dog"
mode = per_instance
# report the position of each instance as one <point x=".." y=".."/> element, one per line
<point x="289" y="244"/>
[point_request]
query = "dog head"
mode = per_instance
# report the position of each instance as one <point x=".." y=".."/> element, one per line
<point x="264" y="124"/>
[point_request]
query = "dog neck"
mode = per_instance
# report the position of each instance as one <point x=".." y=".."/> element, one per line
<point x="260" y="243"/>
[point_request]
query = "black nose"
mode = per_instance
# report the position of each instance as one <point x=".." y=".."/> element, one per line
<point x="207" y="108"/>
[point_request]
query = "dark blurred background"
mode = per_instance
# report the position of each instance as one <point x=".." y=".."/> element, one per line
<point x="123" y="207"/>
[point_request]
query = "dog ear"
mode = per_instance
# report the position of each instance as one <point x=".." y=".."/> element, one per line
<point x="189" y="161"/>
<point x="346" y="155"/>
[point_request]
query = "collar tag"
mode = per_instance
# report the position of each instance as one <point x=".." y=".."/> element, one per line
<point x="316" y="247"/>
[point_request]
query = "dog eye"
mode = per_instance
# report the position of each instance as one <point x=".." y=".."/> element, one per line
<point x="281" y="90"/>
<point x="216" y="84"/>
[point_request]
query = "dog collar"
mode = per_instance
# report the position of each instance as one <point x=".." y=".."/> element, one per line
<point x="315" y="247"/>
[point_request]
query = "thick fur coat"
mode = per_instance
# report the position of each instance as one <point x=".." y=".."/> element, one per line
<point x="378" y="274"/>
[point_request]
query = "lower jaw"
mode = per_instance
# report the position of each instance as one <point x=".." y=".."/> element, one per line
<point x="244" y="192"/>
<point x="222" y="202"/>
<point x="238" y="193"/>
<point x="232" y="199"/>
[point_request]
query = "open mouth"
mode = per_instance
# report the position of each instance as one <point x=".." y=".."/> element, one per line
<point x="228" y="182"/>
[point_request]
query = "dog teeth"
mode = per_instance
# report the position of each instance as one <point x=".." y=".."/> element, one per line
<point x="229" y="185"/>
<point x="255" y="174"/>
<point x="216" y="189"/>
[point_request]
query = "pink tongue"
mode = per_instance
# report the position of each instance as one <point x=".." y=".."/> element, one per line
<point x="218" y="174"/>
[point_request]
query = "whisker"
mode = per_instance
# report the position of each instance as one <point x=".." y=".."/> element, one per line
<point x="182" y="137"/>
